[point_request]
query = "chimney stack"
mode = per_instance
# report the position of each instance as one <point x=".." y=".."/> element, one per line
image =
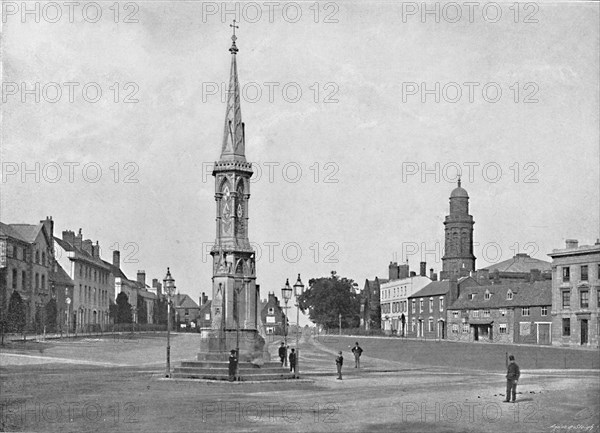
<point x="87" y="246"/>
<point x="434" y="277"/>
<point x="572" y="243"/>
<point x="68" y="236"/>
<point x="423" y="269"/>
<point x="413" y="274"/>
<point x="96" y="250"/>
<point x="535" y="275"/>
<point x="394" y="272"/>
<point x="49" y="226"/>
<point x="453" y="292"/>
<point x="77" y="240"/>
<point x="403" y="271"/>
<point x="141" y="277"/>
<point x="117" y="259"/>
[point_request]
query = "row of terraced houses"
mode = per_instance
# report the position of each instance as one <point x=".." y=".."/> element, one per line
<point x="522" y="300"/>
<point x="70" y="272"/>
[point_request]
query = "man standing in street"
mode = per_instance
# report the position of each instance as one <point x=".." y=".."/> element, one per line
<point x="339" y="361"/>
<point x="282" y="353"/>
<point x="357" y="350"/>
<point x="512" y="377"/>
<point x="293" y="360"/>
<point x="233" y="362"/>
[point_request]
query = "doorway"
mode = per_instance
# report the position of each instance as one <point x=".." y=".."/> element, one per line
<point x="584" y="331"/>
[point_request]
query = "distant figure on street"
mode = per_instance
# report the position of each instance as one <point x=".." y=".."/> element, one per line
<point x="512" y="377"/>
<point x="282" y="353"/>
<point x="357" y="350"/>
<point x="233" y="363"/>
<point x="339" y="361"/>
<point x="293" y="361"/>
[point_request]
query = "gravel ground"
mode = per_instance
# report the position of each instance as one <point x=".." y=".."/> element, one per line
<point x="118" y="386"/>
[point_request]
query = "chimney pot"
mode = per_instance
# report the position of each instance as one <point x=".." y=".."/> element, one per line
<point x="571" y="243"/>
<point x="117" y="259"/>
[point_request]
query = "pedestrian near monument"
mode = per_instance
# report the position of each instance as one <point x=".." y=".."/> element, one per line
<point x="339" y="361"/>
<point x="282" y="353"/>
<point x="357" y="350"/>
<point x="293" y="360"/>
<point x="512" y="377"/>
<point x="233" y="363"/>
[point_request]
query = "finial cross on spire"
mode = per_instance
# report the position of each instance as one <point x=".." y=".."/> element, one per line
<point x="233" y="26"/>
<point x="459" y="180"/>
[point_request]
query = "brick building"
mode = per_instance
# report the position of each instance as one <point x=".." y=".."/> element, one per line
<point x="186" y="311"/>
<point x="576" y="294"/>
<point x="26" y="257"/>
<point x="272" y="316"/>
<point x="370" y="307"/>
<point x="503" y="313"/>
<point x="427" y="307"/>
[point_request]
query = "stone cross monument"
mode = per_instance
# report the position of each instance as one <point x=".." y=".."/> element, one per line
<point x="235" y="294"/>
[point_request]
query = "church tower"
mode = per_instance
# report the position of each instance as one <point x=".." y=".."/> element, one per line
<point x="458" y="248"/>
<point x="235" y="295"/>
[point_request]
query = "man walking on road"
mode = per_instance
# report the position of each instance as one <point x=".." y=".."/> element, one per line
<point x="282" y="353"/>
<point x="512" y="377"/>
<point x="357" y="350"/>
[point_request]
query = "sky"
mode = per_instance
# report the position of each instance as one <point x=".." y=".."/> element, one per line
<point x="357" y="116"/>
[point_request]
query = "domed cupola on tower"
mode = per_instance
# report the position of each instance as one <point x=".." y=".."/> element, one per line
<point x="458" y="246"/>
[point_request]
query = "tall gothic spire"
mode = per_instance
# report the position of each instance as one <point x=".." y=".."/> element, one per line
<point x="233" y="147"/>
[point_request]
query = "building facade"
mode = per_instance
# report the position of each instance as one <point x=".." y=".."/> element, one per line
<point x="370" y="307"/>
<point x="94" y="287"/>
<point x="520" y="268"/>
<point x="394" y="298"/>
<point x="576" y="294"/>
<point x="427" y="317"/>
<point x="503" y="313"/>
<point x="27" y="260"/>
<point x="273" y="317"/>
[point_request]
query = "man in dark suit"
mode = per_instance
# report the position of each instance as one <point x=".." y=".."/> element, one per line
<point x="512" y="377"/>
<point x="293" y="360"/>
<point x="233" y="363"/>
<point x="339" y="361"/>
<point x="282" y="353"/>
<point x="357" y="350"/>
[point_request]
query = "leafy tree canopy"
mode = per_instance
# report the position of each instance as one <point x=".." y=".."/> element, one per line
<point x="327" y="298"/>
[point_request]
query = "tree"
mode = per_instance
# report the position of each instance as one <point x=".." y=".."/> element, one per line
<point x="50" y="315"/>
<point x="327" y="298"/>
<point x="142" y="310"/>
<point x="16" y="313"/>
<point x="160" y="311"/>
<point x="124" y="314"/>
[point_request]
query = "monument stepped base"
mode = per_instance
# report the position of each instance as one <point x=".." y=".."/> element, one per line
<point x="214" y="367"/>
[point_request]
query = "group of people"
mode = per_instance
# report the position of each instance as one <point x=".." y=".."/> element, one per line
<point x="512" y="374"/>
<point x="293" y="358"/>
<point x="339" y="360"/>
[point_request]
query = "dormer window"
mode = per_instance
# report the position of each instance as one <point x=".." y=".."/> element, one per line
<point x="471" y="296"/>
<point x="487" y="295"/>
<point x="509" y="295"/>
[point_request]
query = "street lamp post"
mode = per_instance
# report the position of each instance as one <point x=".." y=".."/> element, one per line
<point x="286" y="293"/>
<point x="340" y="323"/>
<point x="298" y="291"/>
<point x="169" y="285"/>
<point x="68" y="301"/>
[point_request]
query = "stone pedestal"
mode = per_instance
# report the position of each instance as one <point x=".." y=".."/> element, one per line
<point x="215" y="344"/>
